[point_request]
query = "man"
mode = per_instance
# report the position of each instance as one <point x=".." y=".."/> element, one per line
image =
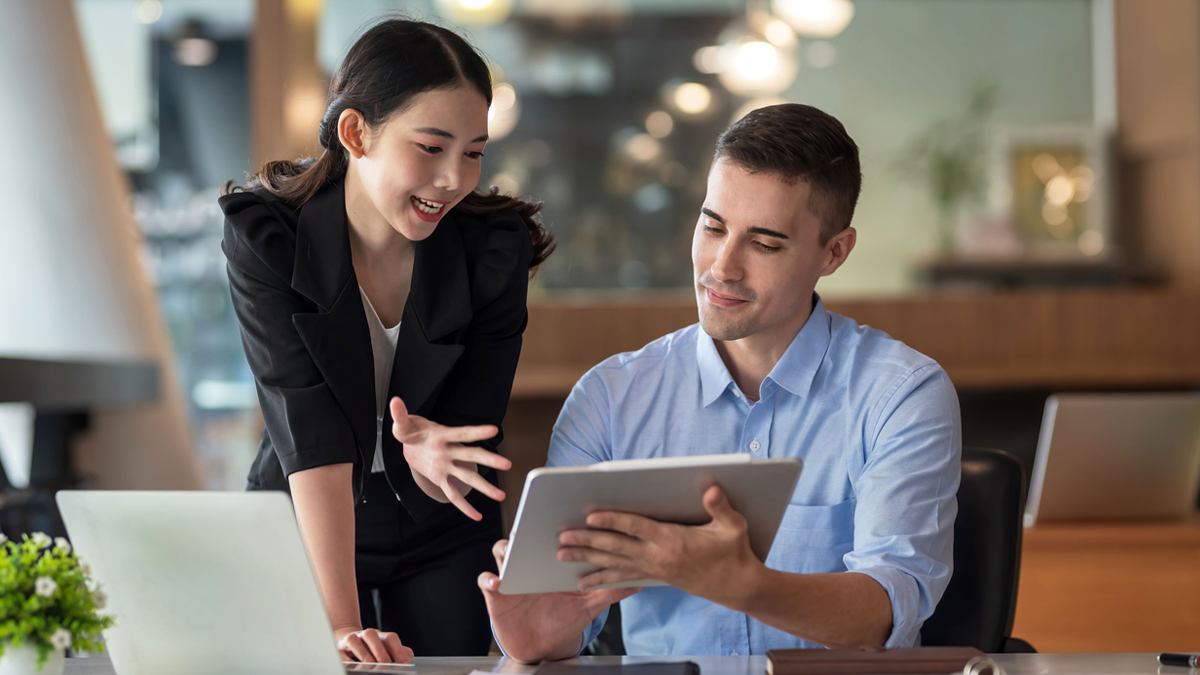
<point x="865" y="548"/>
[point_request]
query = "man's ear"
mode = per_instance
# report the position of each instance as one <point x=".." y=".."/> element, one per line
<point x="352" y="132"/>
<point x="838" y="249"/>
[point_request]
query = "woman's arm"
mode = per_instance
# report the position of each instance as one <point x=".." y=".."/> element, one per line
<point x="324" y="503"/>
<point x="325" y="511"/>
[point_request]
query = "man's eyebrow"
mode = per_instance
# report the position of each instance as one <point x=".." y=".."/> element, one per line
<point x="766" y="232"/>
<point x="754" y="230"/>
<point x="434" y="131"/>
<point x="712" y="214"/>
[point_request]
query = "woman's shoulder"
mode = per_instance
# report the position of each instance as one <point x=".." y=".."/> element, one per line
<point x="498" y="248"/>
<point x="263" y="224"/>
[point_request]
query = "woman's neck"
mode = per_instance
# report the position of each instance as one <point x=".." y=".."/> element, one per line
<point x="371" y="235"/>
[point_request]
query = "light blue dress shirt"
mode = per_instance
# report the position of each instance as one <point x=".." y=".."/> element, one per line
<point x="876" y="424"/>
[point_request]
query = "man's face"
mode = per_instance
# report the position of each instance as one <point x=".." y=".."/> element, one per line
<point x="756" y="254"/>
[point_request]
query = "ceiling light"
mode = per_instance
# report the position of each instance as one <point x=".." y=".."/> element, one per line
<point x="195" y="51"/>
<point x="815" y="18"/>
<point x="692" y="98"/>
<point x="147" y="11"/>
<point x="475" y="11"/>
<point x="659" y="124"/>
<point x="504" y="112"/>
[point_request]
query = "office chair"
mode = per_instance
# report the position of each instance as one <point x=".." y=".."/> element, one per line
<point x="978" y="606"/>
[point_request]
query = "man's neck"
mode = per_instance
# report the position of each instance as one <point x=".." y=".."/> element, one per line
<point x="750" y="359"/>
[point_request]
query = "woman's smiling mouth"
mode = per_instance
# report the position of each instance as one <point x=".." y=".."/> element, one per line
<point x="427" y="210"/>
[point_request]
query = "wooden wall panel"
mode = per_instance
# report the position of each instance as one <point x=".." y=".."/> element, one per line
<point x="1158" y="142"/>
<point x="1051" y="339"/>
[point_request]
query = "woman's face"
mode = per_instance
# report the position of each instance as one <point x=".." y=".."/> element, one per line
<point x="422" y="161"/>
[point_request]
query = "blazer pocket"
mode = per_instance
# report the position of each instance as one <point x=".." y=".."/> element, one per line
<point x="814" y="538"/>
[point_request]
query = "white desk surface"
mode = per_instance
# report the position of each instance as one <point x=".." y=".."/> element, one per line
<point x="1014" y="664"/>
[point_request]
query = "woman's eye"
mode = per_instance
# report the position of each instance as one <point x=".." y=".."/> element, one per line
<point x="431" y="149"/>
<point x="474" y="154"/>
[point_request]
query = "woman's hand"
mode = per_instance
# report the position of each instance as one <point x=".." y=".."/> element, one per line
<point x="442" y="466"/>
<point x="371" y="646"/>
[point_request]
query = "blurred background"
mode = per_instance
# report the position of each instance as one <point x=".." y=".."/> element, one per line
<point x="1030" y="214"/>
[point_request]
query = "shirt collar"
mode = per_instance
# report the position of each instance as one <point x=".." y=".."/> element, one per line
<point x="795" y="370"/>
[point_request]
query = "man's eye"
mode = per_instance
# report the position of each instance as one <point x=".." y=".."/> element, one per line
<point x="768" y="249"/>
<point x="712" y="230"/>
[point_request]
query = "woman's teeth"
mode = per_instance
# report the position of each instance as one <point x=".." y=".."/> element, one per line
<point x="427" y="207"/>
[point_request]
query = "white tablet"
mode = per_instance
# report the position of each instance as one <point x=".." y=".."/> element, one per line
<point x="669" y="490"/>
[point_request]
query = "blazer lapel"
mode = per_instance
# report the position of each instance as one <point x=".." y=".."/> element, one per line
<point x="337" y="336"/>
<point x="439" y="303"/>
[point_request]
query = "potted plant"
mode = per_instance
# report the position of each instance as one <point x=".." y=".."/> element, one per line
<point x="48" y="602"/>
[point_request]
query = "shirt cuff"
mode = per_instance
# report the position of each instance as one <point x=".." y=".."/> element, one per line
<point x="589" y="633"/>
<point x="908" y="613"/>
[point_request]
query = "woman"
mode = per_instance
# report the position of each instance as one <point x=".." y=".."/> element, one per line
<point x="370" y="273"/>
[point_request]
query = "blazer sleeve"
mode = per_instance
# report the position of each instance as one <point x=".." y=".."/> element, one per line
<point x="478" y="389"/>
<point x="304" y="421"/>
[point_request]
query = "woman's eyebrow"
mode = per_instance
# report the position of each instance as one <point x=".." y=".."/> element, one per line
<point x="434" y="131"/>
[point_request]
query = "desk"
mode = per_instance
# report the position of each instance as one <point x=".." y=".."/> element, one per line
<point x="1121" y="586"/>
<point x="1014" y="664"/>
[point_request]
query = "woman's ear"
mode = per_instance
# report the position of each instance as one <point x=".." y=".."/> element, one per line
<point x="352" y="132"/>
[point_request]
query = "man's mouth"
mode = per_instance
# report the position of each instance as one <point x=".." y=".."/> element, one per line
<point x="722" y="300"/>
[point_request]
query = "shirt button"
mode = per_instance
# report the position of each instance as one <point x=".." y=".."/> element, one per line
<point x="733" y="653"/>
<point x="755" y="445"/>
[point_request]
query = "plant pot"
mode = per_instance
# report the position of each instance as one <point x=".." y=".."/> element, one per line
<point x="24" y="661"/>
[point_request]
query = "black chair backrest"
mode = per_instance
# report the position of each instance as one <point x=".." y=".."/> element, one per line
<point x="979" y="604"/>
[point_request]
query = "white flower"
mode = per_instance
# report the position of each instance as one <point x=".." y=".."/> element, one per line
<point x="3" y="539"/>
<point x="45" y="586"/>
<point x="87" y="569"/>
<point x="100" y="599"/>
<point x="61" y="638"/>
<point x="61" y="542"/>
<point x="41" y="539"/>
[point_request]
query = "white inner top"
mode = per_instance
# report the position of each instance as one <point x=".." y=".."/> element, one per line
<point x="383" y="347"/>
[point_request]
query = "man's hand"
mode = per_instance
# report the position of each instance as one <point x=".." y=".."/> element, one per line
<point x="712" y="561"/>
<point x="442" y="466"/>
<point x="370" y="645"/>
<point x="538" y="626"/>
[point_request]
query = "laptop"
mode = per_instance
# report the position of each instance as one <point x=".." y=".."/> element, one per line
<point x="204" y="582"/>
<point x="1116" y="456"/>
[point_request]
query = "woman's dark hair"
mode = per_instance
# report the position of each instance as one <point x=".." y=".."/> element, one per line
<point x="387" y="67"/>
<point x="800" y="143"/>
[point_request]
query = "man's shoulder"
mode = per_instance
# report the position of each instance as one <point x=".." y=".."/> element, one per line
<point x="654" y="359"/>
<point x="875" y="354"/>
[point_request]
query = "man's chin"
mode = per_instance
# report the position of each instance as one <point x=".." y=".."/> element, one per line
<point x="724" y="330"/>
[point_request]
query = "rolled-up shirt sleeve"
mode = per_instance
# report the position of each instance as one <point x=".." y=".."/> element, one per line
<point x="906" y="490"/>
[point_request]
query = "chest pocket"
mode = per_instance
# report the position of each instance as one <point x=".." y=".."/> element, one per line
<point x="814" y="538"/>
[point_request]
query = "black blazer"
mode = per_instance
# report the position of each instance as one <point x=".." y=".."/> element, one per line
<point x="306" y="338"/>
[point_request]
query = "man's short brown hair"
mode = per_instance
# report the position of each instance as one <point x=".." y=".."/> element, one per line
<point x="800" y="143"/>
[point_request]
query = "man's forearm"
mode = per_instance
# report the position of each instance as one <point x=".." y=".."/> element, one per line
<point x="838" y="610"/>
<point x="324" y="501"/>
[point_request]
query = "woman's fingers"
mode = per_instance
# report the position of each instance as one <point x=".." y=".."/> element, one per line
<point x="465" y="453"/>
<point x="399" y="653"/>
<point x="472" y="479"/>
<point x="353" y="648"/>
<point x="460" y="502"/>
<point x="379" y="653"/>
<point x="468" y="434"/>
